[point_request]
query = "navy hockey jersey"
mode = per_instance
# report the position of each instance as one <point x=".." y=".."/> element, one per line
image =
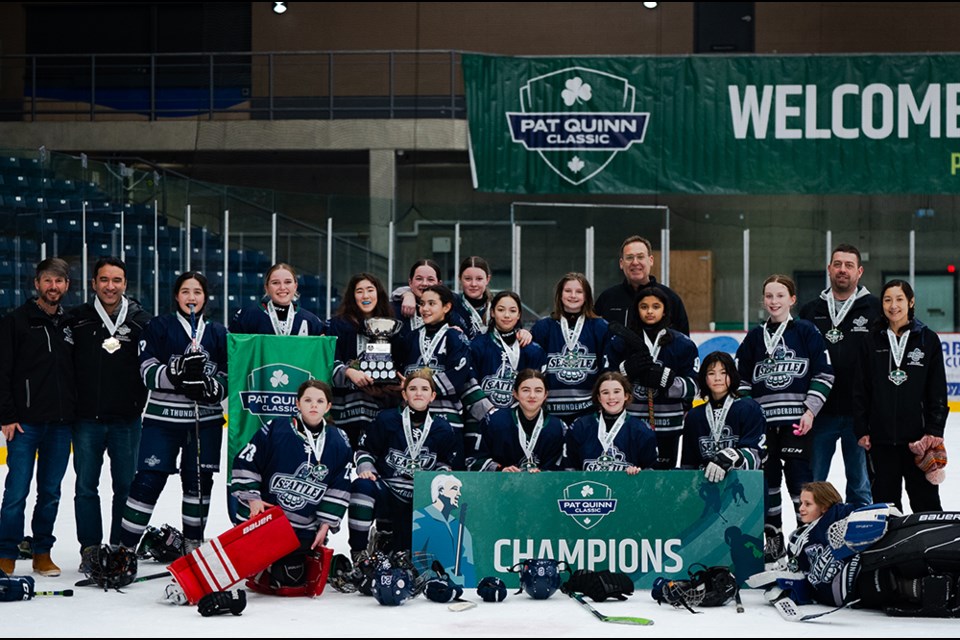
<point x="474" y="324"/>
<point x="798" y="377"/>
<point x="810" y="546"/>
<point x="384" y="450"/>
<point x="493" y="369"/>
<point x="680" y="354"/>
<point x="457" y="389"/>
<point x="744" y="428"/>
<point x="256" y="321"/>
<point x="279" y="466"/>
<point x="571" y="372"/>
<point x="163" y="337"/>
<point x="634" y="446"/>
<point x="500" y="443"/>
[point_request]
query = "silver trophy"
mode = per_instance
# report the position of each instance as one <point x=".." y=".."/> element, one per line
<point x="376" y="361"/>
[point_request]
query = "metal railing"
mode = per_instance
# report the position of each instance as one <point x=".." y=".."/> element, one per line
<point x="273" y="85"/>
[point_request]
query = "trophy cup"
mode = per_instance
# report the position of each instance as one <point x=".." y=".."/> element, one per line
<point x="376" y="361"/>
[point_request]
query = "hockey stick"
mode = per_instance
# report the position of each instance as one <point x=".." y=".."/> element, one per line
<point x="194" y="347"/>
<point x="790" y="612"/>
<point x="66" y="593"/>
<point x="90" y="582"/>
<point x="612" y="619"/>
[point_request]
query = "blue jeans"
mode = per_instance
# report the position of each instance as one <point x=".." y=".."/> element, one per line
<point x="826" y="431"/>
<point x="120" y="440"/>
<point x="49" y="445"/>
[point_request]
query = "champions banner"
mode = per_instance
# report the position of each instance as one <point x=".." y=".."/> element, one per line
<point x="264" y="373"/>
<point x="715" y="124"/>
<point x="651" y="524"/>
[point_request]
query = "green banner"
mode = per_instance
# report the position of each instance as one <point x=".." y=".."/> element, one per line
<point x="715" y="124"/>
<point x="656" y="523"/>
<point x="264" y="375"/>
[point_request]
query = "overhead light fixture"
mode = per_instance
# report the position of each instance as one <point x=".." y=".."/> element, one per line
<point x="279" y="7"/>
<point x="647" y="5"/>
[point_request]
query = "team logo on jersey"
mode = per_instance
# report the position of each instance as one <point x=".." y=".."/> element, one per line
<point x="152" y="461"/>
<point x="404" y="465"/>
<point x="611" y="460"/>
<point x="587" y="503"/>
<point x="860" y="325"/>
<point x="823" y="565"/>
<point x="272" y="391"/>
<point x="304" y="487"/>
<point x="499" y="387"/>
<point x="915" y="358"/>
<point x="710" y="447"/>
<point x="780" y="372"/>
<point x="577" y="120"/>
<point x="572" y="366"/>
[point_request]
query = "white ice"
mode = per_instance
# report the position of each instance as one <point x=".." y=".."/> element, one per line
<point x="139" y="611"/>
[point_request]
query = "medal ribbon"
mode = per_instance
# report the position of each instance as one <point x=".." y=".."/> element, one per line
<point x="201" y="327"/>
<point x="528" y="445"/>
<point x="511" y="350"/>
<point x="571" y="337"/>
<point x="284" y="328"/>
<point x="717" y="418"/>
<point x="121" y="316"/>
<point x="771" y="341"/>
<point x="316" y="443"/>
<point x="607" y="437"/>
<point x="836" y="317"/>
<point x="427" y="349"/>
<point x="414" y="447"/>
<point x="898" y="346"/>
<point x="654" y="346"/>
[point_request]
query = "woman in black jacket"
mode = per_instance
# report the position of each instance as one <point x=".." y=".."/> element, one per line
<point x="900" y="398"/>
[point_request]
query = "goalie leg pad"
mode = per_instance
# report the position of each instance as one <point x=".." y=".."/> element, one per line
<point x="235" y="554"/>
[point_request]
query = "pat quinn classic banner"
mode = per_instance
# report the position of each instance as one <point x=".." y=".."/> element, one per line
<point x="651" y="524"/>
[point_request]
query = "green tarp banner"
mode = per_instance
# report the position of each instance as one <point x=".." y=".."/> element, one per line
<point x="656" y="523"/>
<point x="715" y="124"/>
<point x="264" y="373"/>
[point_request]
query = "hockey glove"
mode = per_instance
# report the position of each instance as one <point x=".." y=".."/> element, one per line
<point x="656" y="376"/>
<point x="13" y="588"/>
<point x="599" y="585"/>
<point x="206" y="391"/>
<point x="714" y="472"/>
<point x="221" y="602"/>
<point x="194" y="365"/>
<point x="635" y="364"/>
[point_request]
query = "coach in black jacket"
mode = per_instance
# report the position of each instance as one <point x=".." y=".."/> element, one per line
<point x="900" y="396"/>
<point x="111" y="396"/>
<point x="618" y="303"/>
<point x="37" y="400"/>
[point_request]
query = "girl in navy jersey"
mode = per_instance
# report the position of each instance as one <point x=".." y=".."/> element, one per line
<point x="574" y="338"/>
<point x="499" y="354"/>
<point x="524" y="438"/>
<point x="785" y="367"/>
<point x="666" y="382"/>
<point x="184" y="367"/>
<point x="611" y="439"/>
<point x="356" y="399"/>
<point x="726" y="432"/>
<point x="279" y="313"/>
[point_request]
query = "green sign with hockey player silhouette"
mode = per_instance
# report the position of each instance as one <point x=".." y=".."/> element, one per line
<point x="656" y="523"/>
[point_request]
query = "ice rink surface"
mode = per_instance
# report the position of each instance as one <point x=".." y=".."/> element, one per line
<point x="139" y="610"/>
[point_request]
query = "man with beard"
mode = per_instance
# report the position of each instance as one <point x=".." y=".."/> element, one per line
<point x="110" y="397"/>
<point x="843" y="313"/>
<point x="435" y="527"/>
<point x="37" y="403"/>
<point x="617" y="303"/>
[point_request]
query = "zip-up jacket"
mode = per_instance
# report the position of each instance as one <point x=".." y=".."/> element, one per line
<point x="899" y="414"/>
<point x="845" y="353"/>
<point x="619" y="304"/>
<point x="36" y="367"/>
<point x="108" y="384"/>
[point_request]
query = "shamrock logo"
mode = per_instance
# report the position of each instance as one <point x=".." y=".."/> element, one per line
<point x="576" y="165"/>
<point x="586" y="491"/>
<point x="576" y="91"/>
<point x="278" y="378"/>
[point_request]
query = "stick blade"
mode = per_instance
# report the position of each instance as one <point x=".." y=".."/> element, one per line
<point x="643" y="622"/>
<point x="461" y="606"/>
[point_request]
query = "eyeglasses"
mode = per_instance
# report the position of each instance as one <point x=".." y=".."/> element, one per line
<point x="639" y="257"/>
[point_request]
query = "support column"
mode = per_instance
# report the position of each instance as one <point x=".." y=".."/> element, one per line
<point x="383" y="186"/>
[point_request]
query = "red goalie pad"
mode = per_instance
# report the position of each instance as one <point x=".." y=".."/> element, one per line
<point x="235" y="554"/>
<point x="317" y="564"/>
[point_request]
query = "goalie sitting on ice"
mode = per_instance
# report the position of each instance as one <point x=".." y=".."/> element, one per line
<point x="303" y="465"/>
<point x="869" y="556"/>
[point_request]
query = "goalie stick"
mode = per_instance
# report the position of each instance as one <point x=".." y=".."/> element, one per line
<point x="90" y="582"/>
<point x="635" y="342"/>
<point x="613" y="619"/>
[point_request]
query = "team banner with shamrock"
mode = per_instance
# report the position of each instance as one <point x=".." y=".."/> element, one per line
<point x="656" y="523"/>
<point x="715" y="124"/>
<point x="264" y="373"/>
